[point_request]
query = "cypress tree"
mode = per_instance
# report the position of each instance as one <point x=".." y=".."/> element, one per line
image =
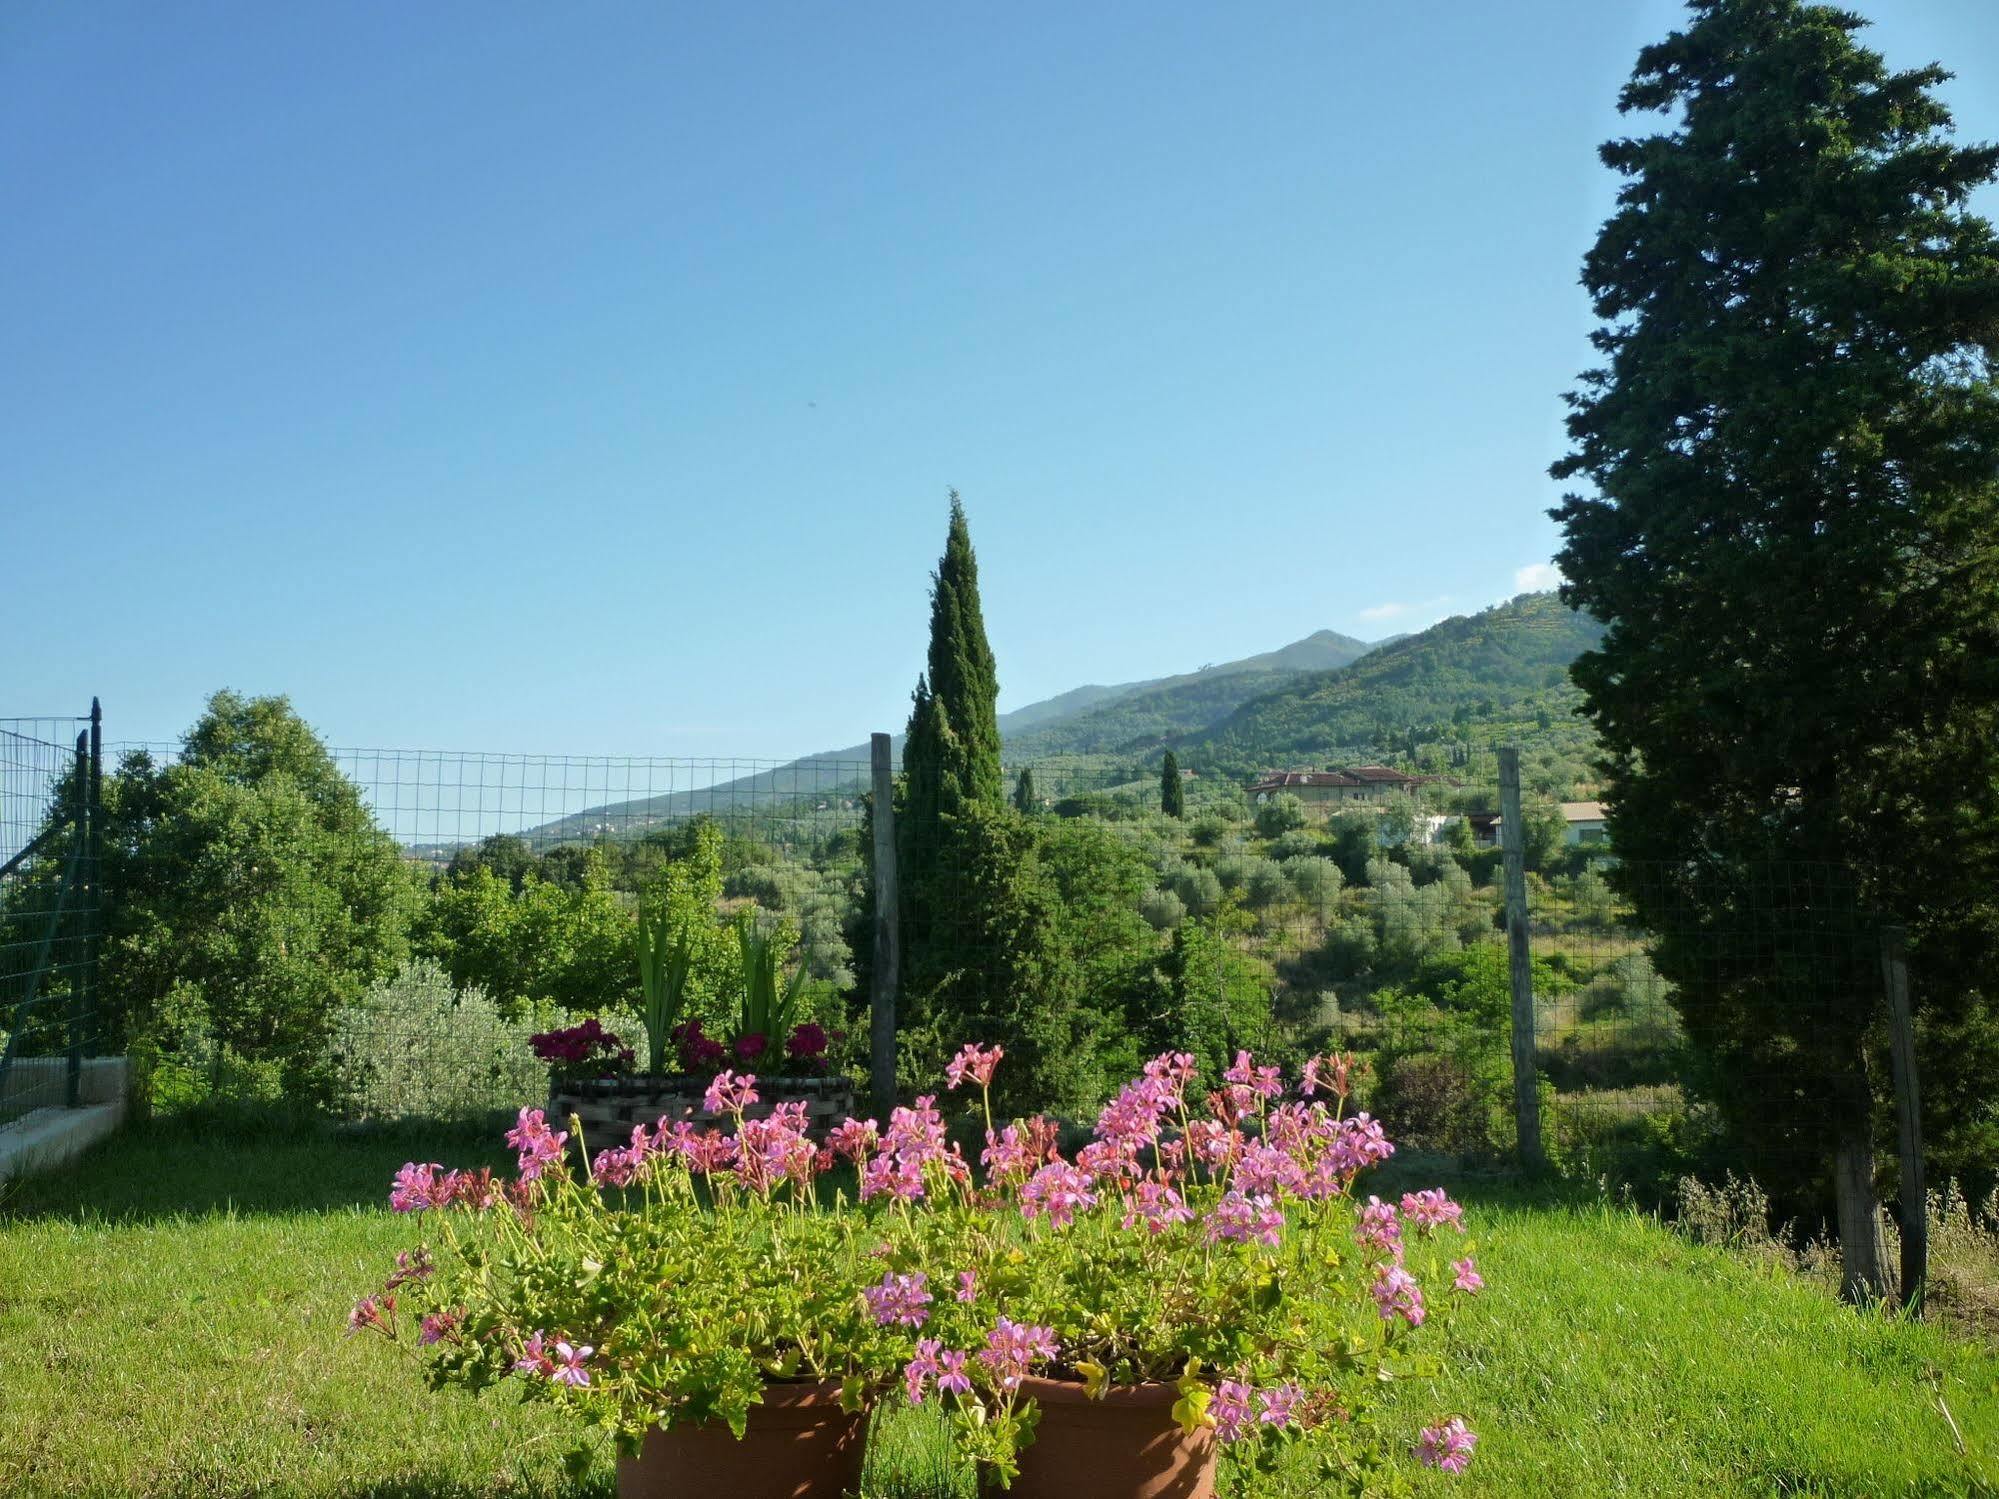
<point x="1793" y="453"/>
<point x="1172" y="791"/>
<point x="1023" y="790"/>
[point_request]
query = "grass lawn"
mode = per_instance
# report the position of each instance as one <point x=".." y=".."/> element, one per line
<point x="172" y="1315"/>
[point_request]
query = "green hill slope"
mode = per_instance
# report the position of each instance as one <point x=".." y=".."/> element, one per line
<point x="1473" y="679"/>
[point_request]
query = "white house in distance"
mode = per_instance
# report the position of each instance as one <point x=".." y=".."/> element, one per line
<point x="1582" y="823"/>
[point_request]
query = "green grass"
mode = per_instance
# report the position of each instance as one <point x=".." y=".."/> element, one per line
<point x="172" y="1315"/>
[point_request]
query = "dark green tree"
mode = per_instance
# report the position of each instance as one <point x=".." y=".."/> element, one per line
<point x="951" y="757"/>
<point x="1172" y="790"/>
<point x="1791" y="532"/>
<point x="254" y="897"/>
<point x="1023" y="790"/>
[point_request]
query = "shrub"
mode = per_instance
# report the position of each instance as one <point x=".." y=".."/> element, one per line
<point x="1281" y="814"/>
<point x="1163" y="910"/>
<point x="415" y="1047"/>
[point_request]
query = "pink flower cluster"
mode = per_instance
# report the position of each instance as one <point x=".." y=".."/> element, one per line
<point x="973" y="1064"/>
<point x="913" y="1145"/>
<point x="539" y="1147"/>
<point x="1448" y="1446"/>
<point x="902" y="1299"/>
<point x="563" y="1363"/>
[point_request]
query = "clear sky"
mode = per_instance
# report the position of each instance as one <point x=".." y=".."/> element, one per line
<point x="590" y="378"/>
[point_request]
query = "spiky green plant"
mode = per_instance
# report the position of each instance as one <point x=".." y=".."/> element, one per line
<point x="666" y="958"/>
<point x="771" y="1003"/>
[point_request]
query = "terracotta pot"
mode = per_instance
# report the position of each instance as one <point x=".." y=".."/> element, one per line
<point x="1124" y="1446"/>
<point x="799" y="1445"/>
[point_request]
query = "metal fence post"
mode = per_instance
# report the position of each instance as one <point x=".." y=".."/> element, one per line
<point x="1520" y="962"/>
<point x="79" y="996"/>
<point x="1908" y="1114"/>
<point x="887" y="924"/>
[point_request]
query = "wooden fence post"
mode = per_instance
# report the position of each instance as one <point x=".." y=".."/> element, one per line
<point x="888" y="937"/>
<point x="1520" y="962"/>
<point x="1908" y="1114"/>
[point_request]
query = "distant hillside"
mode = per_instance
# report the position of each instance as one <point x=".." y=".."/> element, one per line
<point x="1464" y="679"/>
<point x="1143" y="714"/>
<point x="1084" y="720"/>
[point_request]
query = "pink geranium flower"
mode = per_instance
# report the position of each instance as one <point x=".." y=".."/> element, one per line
<point x="1432" y="1209"/>
<point x="569" y="1363"/>
<point x="973" y="1063"/>
<point x="1448" y="1446"/>
<point x="903" y="1299"/>
<point x="730" y="1093"/>
<point x="1012" y="1348"/>
<point x="1230" y="1410"/>
<point x="1468" y="1278"/>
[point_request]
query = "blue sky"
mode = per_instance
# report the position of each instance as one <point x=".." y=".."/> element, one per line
<point x="590" y="378"/>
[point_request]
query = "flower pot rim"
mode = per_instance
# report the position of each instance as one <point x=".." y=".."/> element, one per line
<point x="1149" y="1393"/>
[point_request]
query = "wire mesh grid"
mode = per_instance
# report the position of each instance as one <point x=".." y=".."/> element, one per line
<point x="49" y="907"/>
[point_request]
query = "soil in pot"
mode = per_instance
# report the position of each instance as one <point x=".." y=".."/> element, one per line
<point x="799" y="1445"/>
<point x="1124" y="1446"/>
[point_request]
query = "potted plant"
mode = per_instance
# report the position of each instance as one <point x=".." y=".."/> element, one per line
<point x="769" y="1031"/>
<point x="1199" y="1277"/>
<point x="682" y="1290"/>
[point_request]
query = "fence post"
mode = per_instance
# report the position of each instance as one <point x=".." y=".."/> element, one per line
<point x="1908" y="1113"/>
<point x="72" y="1087"/>
<point x="1520" y="961"/>
<point x="888" y="939"/>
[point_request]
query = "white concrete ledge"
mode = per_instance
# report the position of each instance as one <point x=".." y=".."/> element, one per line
<point x="33" y="1081"/>
<point x="47" y="1138"/>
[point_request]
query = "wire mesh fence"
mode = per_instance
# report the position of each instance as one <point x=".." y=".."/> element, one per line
<point x="49" y="910"/>
<point x="1094" y="921"/>
<point x="512" y="911"/>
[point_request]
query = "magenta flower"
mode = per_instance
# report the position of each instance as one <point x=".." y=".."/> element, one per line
<point x="1239" y="1219"/>
<point x="1011" y="1154"/>
<point x="613" y="1167"/>
<point x="975" y="1063"/>
<point x="1278" y="1404"/>
<point x="953" y="1380"/>
<point x="1260" y="1170"/>
<point x="900" y="1298"/>
<point x="437" y="1326"/>
<point x="376" y="1312"/>
<point x="535" y="1357"/>
<point x="1265" y="1082"/>
<point x="806" y="1041"/>
<point x="1432" y="1209"/>
<point x="1057" y="1191"/>
<point x="1396" y="1294"/>
<point x="1157" y="1206"/>
<point x="968" y="1285"/>
<point x="853" y="1139"/>
<point x="1469" y="1280"/>
<point x="539" y="1147"/>
<point x="750" y="1045"/>
<point x="418" y="1187"/>
<point x="1360" y="1143"/>
<point x="1379" y="1229"/>
<point x="1173" y="1072"/>
<point x="1230" y="1410"/>
<point x="1448" y="1446"/>
<point x="569" y="1363"/>
<point x="729" y="1093"/>
<point x="1013" y="1348"/>
<point x="918" y="1373"/>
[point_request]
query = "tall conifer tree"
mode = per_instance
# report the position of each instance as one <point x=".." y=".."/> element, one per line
<point x="1023" y="790"/>
<point x="1172" y="791"/>
<point x="1793" y="539"/>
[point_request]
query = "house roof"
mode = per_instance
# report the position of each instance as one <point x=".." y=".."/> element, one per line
<point x="1355" y="778"/>
<point x="1582" y="811"/>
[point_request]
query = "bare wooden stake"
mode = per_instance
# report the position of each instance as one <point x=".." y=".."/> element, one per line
<point x="888" y="937"/>
<point x="1520" y="962"/>
<point x="1909" y="1116"/>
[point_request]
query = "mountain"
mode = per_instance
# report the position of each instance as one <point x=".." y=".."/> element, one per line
<point x="1476" y="678"/>
<point x="1083" y="720"/>
<point x="1139" y="715"/>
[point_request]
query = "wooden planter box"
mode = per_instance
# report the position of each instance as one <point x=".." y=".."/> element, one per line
<point x="610" y="1106"/>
